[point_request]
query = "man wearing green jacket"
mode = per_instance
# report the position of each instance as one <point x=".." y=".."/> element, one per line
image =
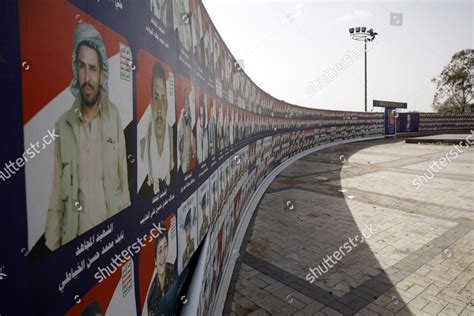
<point x="90" y="168"/>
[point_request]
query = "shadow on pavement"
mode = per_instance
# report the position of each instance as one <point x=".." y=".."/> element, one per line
<point x="304" y="222"/>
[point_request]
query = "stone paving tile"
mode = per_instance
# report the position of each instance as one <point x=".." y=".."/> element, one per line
<point x="372" y="308"/>
<point x="259" y="312"/>
<point x="455" y="167"/>
<point x="418" y="260"/>
<point x="271" y="303"/>
<point x="433" y="308"/>
<point x="329" y="312"/>
<point x="302" y="166"/>
<point x="403" y="187"/>
<point x="364" y="158"/>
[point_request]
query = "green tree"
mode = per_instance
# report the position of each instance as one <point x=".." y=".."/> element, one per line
<point x="454" y="86"/>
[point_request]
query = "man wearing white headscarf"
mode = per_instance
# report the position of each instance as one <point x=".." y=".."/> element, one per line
<point x="90" y="168"/>
<point x="186" y="139"/>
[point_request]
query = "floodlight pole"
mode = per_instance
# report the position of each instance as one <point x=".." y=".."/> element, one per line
<point x="359" y="34"/>
<point x="365" y="70"/>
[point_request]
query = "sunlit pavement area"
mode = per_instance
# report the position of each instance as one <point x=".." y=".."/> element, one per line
<point x="419" y="259"/>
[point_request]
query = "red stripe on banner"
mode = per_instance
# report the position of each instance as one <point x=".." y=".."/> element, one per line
<point x="101" y="293"/>
<point x="146" y="268"/>
<point x="46" y="37"/>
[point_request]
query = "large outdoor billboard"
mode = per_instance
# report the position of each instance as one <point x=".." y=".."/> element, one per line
<point x="136" y="136"/>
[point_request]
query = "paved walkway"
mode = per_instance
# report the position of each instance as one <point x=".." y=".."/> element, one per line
<point x="418" y="259"/>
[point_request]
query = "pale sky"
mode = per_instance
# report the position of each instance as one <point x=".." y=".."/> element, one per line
<point x="287" y="44"/>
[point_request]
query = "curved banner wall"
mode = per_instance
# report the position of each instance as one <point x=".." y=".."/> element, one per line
<point x="136" y="135"/>
<point x="446" y="121"/>
<point x="410" y="122"/>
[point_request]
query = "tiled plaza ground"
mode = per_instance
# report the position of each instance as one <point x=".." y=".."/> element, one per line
<point x="420" y="259"/>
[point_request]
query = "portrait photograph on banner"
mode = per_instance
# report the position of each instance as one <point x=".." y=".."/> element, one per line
<point x="81" y="172"/>
<point x="158" y="270"/>
<point x="156" y="125"/>
<point x="187" y="231"/>
<point x="186" y="120"/>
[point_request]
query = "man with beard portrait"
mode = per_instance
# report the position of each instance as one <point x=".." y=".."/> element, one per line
<point x="90" y="166"/>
